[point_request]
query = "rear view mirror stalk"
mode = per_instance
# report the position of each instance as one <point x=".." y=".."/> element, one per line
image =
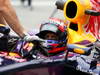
<point x="92" y="13"/>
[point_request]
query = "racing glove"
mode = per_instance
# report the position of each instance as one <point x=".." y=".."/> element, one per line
<point x="32" y="38"/>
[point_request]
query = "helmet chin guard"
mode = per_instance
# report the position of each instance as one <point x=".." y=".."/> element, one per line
<point x="54" y="47"/>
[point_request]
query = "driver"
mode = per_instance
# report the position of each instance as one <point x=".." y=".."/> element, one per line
<point x="54" y="32"/>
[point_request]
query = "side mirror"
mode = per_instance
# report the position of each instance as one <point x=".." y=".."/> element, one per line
<point x="60" y="4"/>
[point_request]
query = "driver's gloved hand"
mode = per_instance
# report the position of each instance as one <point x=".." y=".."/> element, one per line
<point x="32" y="38"/>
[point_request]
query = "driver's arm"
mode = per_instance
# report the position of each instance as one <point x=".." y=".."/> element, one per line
<point x="8" y="14"/>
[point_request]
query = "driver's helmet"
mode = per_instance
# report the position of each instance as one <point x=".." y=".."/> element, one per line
<point x="58" y="27"/>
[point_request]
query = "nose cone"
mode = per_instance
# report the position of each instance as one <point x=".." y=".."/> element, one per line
<point x="74" y="10"/>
